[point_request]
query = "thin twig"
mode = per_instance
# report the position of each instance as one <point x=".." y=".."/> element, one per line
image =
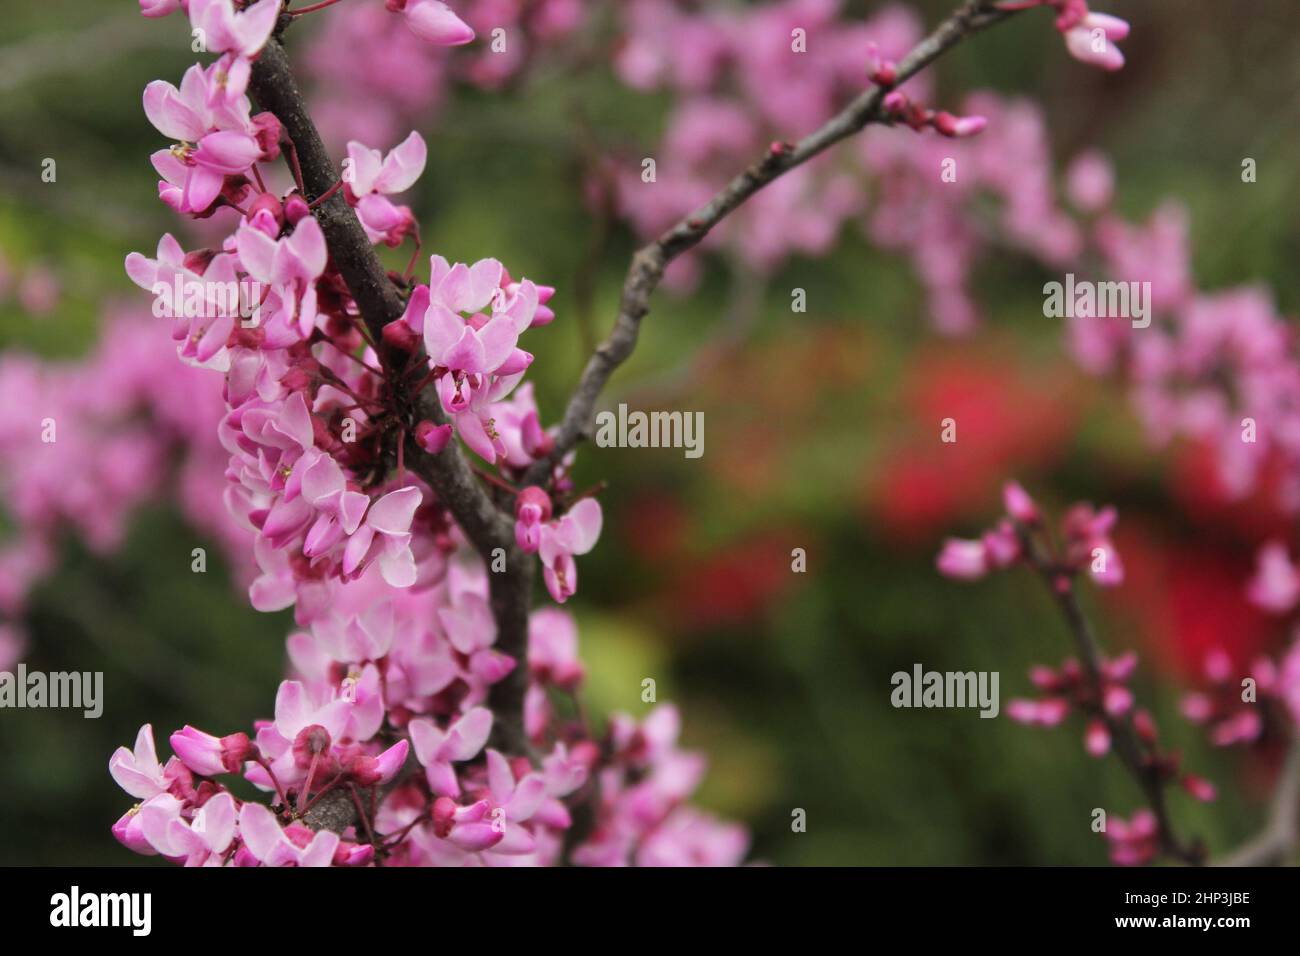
<point x="648" y="264"/>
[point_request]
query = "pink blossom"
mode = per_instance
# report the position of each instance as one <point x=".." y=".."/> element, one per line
<point x="574" y="533"/>
<point x="195" y="842"/>
<point x="372" y="177"/>
<point x="438" y="749"/>
<point x="273" y="845"/>
<point x="385" y="536"/>
<point x="138" y="771"/>
<point x="243" y="32"/>
<point x="210" y="756"/>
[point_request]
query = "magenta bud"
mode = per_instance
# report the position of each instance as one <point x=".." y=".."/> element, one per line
<point x="958" y="126"/>
<point x="895" y="102"/>
<point x="266" y="202"/>
<point x="198" y="260"/>
<point x="432" y="438"/>
<point x="533" y="501"/>
<point x="296" y="209"/>
<point x="400" y="336"/>
<point x="267" y="132"/>
<point x="885" y="75"/>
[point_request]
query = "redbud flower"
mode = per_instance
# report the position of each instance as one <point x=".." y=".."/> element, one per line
<point x="373" y="177"/>
<point x="368" y="771"/>
<point x="437" y="749"/>
<point x="296" y="209"/>
<point x="575" y="533"/>
<point x="138" y="772"/>
<point x="385" y="536"/>
<point x="244" y="32"/>
<point x="209" y="756"/>
<point x="272" y="845"/>
<point x="881" y="71"/>
<point x="1117" y="700"/>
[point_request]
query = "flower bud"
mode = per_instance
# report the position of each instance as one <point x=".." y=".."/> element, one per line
<point x="958" y="126"/>
<point x="400" y="336"/>
<point x="296" y="209"/>
<point x="267" y="133"/>
<point x="432" y="438"/>
<point x="266" y="202"/>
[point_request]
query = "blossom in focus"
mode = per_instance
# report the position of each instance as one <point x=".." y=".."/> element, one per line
<point x="371" y="177"/>
<point x="225" y="29"/>
<point x="574" y="533"/>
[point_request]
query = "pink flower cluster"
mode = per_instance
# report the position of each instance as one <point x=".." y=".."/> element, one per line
<point x="1097" y="687"/>
<point x="1086" y="534"/>
<point x="1235" y="712"/>
<point x="392" y="667"/>
<point x="742" y="81"/>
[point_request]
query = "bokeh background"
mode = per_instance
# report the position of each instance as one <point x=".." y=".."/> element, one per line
<point x="821" y="433"/>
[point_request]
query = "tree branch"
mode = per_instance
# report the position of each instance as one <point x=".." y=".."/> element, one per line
<point x="1122" y="732"/>
<point x="650" y="261"/>
<point x="379" y="301"/>
<point x="447" y="473"/>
